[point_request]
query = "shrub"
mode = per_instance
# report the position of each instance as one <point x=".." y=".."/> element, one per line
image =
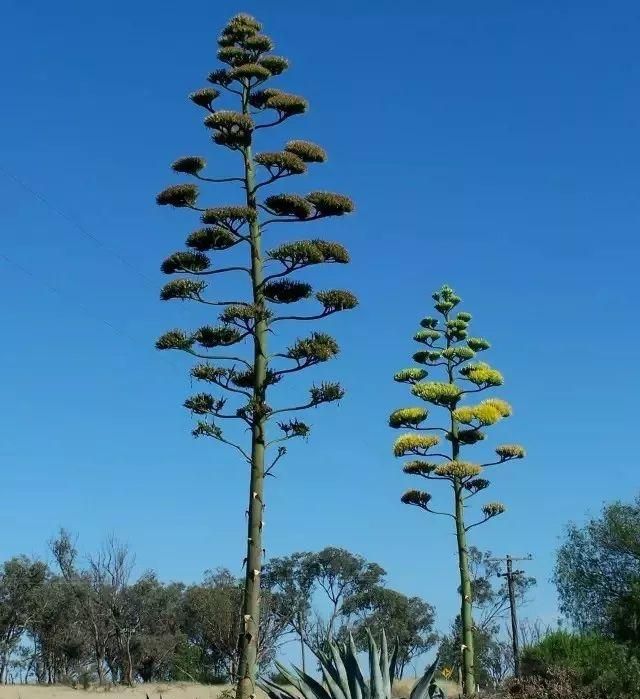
<point x="592" y="660"/>
<point x="554" y="683"/>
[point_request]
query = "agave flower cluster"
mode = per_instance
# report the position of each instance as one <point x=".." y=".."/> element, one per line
<point x="450" y="352"/>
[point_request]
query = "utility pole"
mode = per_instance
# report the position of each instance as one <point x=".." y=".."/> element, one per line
<point x="510" y="575"/>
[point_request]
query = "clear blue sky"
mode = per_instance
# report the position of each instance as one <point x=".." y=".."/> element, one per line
<point x="493" y="146"/>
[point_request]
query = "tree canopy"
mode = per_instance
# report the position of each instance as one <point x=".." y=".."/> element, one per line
<point x="597" y="571"/>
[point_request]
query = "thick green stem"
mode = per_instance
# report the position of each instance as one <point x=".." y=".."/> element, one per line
<point x="466" y="611"/>
<point x="249" y="637"/>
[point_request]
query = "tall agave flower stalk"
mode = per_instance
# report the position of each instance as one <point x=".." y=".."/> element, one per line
<point x="245" y="231"/>
<point x="448" y="349"/>
<point x="342" y="677"/>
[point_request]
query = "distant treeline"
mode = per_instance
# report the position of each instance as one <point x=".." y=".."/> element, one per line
<point x="83" y="620"/>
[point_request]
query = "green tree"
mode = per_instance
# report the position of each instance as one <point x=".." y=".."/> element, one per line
<point x="490" y="604"/>
<point x="292" y="578"/>
<point x="337" y="576"/>
<point x="247" y="66"/>
<point x="598" y="568"/>
<point x="408" y="620"/>
<point x="449" y="349"/>
<point x="20" y="580"/>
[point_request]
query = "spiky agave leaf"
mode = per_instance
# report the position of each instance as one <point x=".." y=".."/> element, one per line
<point x="421" y="688"/>
<point x="376" y="685"/>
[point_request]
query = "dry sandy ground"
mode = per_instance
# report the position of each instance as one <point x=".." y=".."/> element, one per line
<point x="176" y="690"/>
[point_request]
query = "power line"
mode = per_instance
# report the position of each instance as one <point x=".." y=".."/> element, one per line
<point x="51" y="288"/>
<point x="87" y="234"/>
<point x="510" y="575"/>
<point x="58" y="292"/>
<point x="77" y="225"/>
